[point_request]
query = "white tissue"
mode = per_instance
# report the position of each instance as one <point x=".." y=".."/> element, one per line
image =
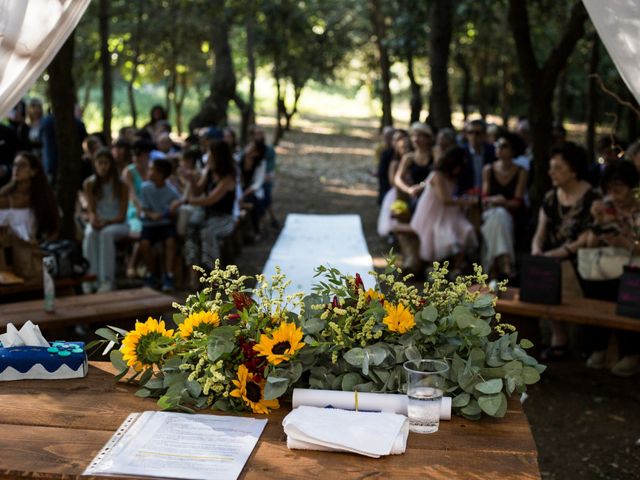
<point x="367" y="433"/>
<point x="29" y="335"/>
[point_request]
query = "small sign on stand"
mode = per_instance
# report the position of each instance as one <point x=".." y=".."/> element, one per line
<point x="629" y="293"/>
<point x="541" y="280"/>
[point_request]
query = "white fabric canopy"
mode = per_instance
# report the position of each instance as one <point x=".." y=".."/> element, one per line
<point x="31" y="33"/>
<point x="618" y="24"/>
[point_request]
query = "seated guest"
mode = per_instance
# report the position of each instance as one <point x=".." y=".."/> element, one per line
<point x="415" y="166"/>
<point x="27" y="203"/>
<point x="219" y="188"/>
<point x="159" y="202"/>
<point x="121" y="151"/>
<point x="479" y="154"/>
<point x="253" y="170"/>
<point x="384" y="155"/>
<point x="387" y="220"/>
<point x="503" y="188"/>
<point x="564" y="215"/>
<point x="439" y="219"/>
<point x="616" y="223"/>
<point x="107" y="199"/>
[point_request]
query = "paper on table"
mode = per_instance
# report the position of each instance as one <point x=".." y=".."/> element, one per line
<point x="370" y="402"/>
<point x="178" y="445"/>
<point x="367" y="433"/>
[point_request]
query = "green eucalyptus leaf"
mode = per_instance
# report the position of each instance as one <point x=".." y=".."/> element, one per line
<point x="476" y="357"/>
<point x="350" y="380"/>
<point x="530" y="375"/>
<point x="222" y="405"/>
<point x="461" y="400"/>
<point x="472" y="408"/>
<point x="412" y="353"/>
<point x="178" y="318"/>
<point x="377" y="354"/>
<point x="313" y="325"/>
<point x="218" y="346"/>
<point x="194" y="388"/>
<point x="490" y="404"/>
<point x="510" y="385"/>
<point x="146" y="376"/>
<point x="107" y="334"/>
<point x="490" y="386"/>
<point x="428" y="329"/>
<point x="429" y="314"/>
<point x="143" y="393"/>
<point x="365" y="363"/>
<point x="483" y="301"/>
<point x="355" y="357"/>
<point x="155" y="383"/>
<point x="116" y="360"/>
<point x="365" y="387"/>
<point x="462" y="316"/>
<point x="275" y="387"/>
<point x="480" y="327"/>
<point x="119" y="330"/>
<point x="167" y="402"/>
<point x="524" y="343"/>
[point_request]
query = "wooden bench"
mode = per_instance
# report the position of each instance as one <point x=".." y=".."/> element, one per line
<point x="64" y="286"/>
<point x="137" y="303"/>
<point x="584" y="311"/>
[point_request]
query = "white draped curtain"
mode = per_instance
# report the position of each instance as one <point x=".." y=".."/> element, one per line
<point x="31" y="33"/>
<point x="618" y="25"/>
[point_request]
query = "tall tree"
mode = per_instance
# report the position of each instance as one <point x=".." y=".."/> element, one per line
<point x="63" y="99"/>
<point x="592" y="96"/>
<point x="105" y="60"/>
<point x="223" y="84"/>
<point x="378" y="21"/>
<point x="540" y="81"/>
<point x="441" y="21"/>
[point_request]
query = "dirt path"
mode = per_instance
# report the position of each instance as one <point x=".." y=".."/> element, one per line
<point x="586" y="423"/>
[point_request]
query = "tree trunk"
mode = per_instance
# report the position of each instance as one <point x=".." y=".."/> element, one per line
<point x="441" y="20"/>
<point x="466" y="85"/>
<point x="105" y="60"/>
<point x="561" y="99"/>
<point x="250" y="28"/>
<point x="481" y="85"/>
<point x="136" y="61"/>
<point x="277" y="136"/>
<point x="223" y="85"/>
<point x="592" y="98"/>
<point x="540" y="82"/>
<point x="379" y="30"/>
<point x="415" y="101"/>
<point x="63" y="99"/>
<point x="297" y="91"/>
<point x="178" y="99"/>
<point x="505" y="94"/>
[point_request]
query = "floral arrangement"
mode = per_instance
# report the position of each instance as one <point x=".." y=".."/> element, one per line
<point x="237" y="348"/>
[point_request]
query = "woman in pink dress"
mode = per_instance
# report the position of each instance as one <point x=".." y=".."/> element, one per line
<point x="439" y="219"/>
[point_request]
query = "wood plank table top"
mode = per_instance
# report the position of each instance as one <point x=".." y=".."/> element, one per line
<point x="585" y="311"/>
<point x="129" y="304"/>
<point x="53" y="429"/>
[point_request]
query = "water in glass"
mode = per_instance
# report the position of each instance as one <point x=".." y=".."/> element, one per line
<point x="424" y="409"/>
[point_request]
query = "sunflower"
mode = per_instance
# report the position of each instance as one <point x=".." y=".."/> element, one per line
<point x="372" y="295"/>
<point x="199" y="322"/>
<point x="399" y="318"/>
<point x="252" y="392"/>
<point x="146" y="345"/>
<point x="286" y="341"/>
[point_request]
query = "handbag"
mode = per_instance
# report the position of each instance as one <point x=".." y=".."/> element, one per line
<point x="604" y="263"/>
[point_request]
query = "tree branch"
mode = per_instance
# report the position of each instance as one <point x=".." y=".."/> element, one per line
<point x="519" y="22"/>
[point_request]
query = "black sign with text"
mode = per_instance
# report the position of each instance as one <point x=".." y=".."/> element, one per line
<point x="541" y="280"/>
<point x="629" y="293"/>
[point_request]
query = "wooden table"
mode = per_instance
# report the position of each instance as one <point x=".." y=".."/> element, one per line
<point x="91" y="308"/>
<point x="53" y="429"/>
<point x="584" y="311"/>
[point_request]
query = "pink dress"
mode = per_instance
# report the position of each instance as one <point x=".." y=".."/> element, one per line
<point x="443" y="230"/>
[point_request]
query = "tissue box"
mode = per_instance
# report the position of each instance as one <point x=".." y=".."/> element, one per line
<point x="61" y="360"/>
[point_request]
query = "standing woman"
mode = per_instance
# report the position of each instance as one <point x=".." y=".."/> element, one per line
<point x="107" y="197"/>
<point x="415" y="166"/>
<point x="503" y="187"/>
<point x="564" y="215"/>
<point x="219" y="188"/>
<point x="33" y="212"/>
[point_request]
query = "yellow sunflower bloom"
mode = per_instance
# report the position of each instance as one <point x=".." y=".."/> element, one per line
<point x="399" y="319"/>
<point x="372" y="295"/>
<point x="252" y="392"/>
<point x="199" y="322"/>
<point x="286" y="341"/>
<point x="140" y="347"/>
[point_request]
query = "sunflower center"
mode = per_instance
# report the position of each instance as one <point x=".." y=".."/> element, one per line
<point x="253" y="392"/>
<point x="281" y="347"/>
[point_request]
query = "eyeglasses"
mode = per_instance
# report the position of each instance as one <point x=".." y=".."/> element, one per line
<point x="474" y="132"/>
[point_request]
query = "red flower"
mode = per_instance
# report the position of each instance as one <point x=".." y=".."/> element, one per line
<point x="335" y="303"/>
<point x="234" y="316"/>
<point x="359" y="283"/>
<point x="241" y="300"/>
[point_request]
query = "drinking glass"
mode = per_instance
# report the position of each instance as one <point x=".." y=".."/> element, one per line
<point x="425" y="381"/>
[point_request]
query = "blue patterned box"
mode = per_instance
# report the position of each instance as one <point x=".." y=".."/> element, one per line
<point x="61" y="360"/>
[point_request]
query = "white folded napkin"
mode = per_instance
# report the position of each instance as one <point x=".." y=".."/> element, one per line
<point x="29" y="335"/>
<point x="367" y="433"/>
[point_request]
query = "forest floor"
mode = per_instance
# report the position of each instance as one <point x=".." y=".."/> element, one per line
<point x="585" y="422"/>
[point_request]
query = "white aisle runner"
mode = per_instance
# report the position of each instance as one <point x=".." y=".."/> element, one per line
<point x="307" y="241"/>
